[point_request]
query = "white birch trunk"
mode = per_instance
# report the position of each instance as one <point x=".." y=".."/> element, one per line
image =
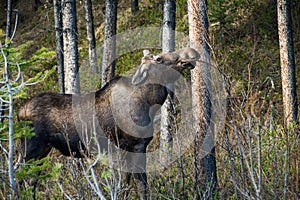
<point x="109" y="50"/>
<point x="70" y="47"/>
<point x="168" y="45"/>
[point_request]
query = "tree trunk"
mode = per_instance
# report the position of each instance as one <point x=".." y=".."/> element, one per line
<point x="91" y="36"/>
<point x="37" y="4"/>
<point x="202" y="108"/>
<point x="7" y="37"/>
<point x="168" y="45"/>
<point x="70" y="47"/>
<point x="134" y="6"/>
<point x="2" y="111"/>
<point x="109" y="51"/>
<point x="287" y="61"/>
<point x="59" y="44"/>
<point x="8" y="19"/>
<point x="9" y="90"/>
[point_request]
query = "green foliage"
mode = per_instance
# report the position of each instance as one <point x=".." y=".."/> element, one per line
<point x="34" y="169"/>
<point x="21" y="130"/>
<point x="41" y="76"/>
<point x="244" y="40"/>
<point x="182" y="17"/>
<point x="106" y="174"/>
<point x="148" y="15"/>
<point x="13" y="61"/>
<point x="29" y="67"/>
<point x="28" y="193"/>
<point x="44" y="57"/>
<point x="127" y="63"/>
<point x="41" y="172"/>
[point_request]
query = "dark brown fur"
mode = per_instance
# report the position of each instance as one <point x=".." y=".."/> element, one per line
<point x="124" y="110"/>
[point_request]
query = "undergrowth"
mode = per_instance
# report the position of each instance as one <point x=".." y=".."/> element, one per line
<point x="256" y="154"/>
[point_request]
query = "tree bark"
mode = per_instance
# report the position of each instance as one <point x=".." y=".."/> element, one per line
<point x="134" y="6"/>
<point x="202" y="108"/>
<point x="109" y="51"/>
<point x="287" y="61"/>
<point x="70" y="47"/>
<point x="7" y="37"/>
<point x="59" y="44"/>
<point x="91" y="36"/>
<point x="168" y="45"/>
<point x="10" y="91"/>
<point x="8" y="19"/>
<point x="37" y="4"/>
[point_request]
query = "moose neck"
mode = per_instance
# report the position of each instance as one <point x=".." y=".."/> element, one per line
<point x="153" y="93"/>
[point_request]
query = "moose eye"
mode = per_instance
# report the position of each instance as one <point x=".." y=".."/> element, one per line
<point x="158" y="59"/>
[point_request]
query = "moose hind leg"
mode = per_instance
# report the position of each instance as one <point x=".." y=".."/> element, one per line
<point x="68" y="145"/>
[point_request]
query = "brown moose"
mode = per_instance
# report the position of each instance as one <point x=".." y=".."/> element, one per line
<point x="123" y="110"/>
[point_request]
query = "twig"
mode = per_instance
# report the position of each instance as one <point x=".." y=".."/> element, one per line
<point x="286" y="173"/>
<point x="15" y="27"/>
<point x="259" y="156"/>
<point x="231" y="158"/>
<point x="98" y="192"/>
<point x="62" y="191"/>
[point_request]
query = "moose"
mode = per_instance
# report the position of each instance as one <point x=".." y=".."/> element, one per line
<point x="123" y="109"/>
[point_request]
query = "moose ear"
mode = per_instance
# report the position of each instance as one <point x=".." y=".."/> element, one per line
<point x="140" y="76"/>
<point x="146" y="52"/>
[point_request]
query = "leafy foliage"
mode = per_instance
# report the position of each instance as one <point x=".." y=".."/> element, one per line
<point x="12" y="82"/>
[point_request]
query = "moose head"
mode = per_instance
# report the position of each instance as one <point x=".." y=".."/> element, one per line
<point x="166" y="67"/>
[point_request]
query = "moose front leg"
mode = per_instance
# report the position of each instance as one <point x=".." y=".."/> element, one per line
<point x="135" y="168"/>
<point x="139" y="169"/>
<point x="35" y="148"/>
<point x="140" y="178"/>
<point x="126" y="176"/>
<point x="142" y="184"/>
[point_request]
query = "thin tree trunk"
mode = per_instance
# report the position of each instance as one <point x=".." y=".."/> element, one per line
<point x="7" y="36"/>
<point x="91" y="36"/>
<point x="168" y="45"/>
<point x="287" y="61"/>
<point x="11" y="140"/>
<point x="134" y="6"/>
<point x="70" y="47"/>
<point x="37" y="4"/>
<point x="2" y="111"/>
<point x="109" y="51"/>
<point x="8" y="19"/>
<point x="10" y="102"/>
<point x="201" y="100"/>
<point x="59" y="44"/>
<point x="10" y="160"/>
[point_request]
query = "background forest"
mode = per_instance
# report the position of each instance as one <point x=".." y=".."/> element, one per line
<point x="257" y="156"/>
